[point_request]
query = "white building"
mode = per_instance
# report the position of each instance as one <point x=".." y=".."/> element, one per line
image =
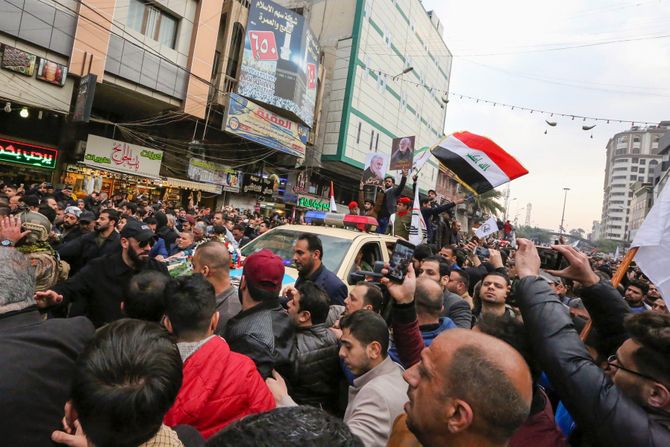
<point x="632" y="156"/>
<point x="366" y="43"/>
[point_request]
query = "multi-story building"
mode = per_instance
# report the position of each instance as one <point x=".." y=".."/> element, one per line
<point x="632" y="156"/>
<point x="156" y="77"/>
<point x="596" y="233"/>
<point x="640" y="205"/>
<point x="387" y="76"/>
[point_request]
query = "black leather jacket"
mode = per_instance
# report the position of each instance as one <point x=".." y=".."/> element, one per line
<point x="264" y="333"/>
<point x="316" y="369"/>
<point x="590" y="396"/>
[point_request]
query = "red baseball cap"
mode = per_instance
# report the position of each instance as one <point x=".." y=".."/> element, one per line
<point x="404" y="200"/>
<point x="264" y="270"/>
<point x="353" y="205"/>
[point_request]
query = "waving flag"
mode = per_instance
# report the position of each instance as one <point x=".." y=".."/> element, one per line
<point x="653" y="240"/>
<point x="487" y="228"/>
<point x="417" y="228"/>
<point x="477" y="162"/>
<point x="333" y="205"/>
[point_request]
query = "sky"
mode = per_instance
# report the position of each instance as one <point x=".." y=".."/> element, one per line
<point x="625" y="80"/>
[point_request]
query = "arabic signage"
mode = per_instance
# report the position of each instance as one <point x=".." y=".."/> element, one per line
<point x="314" y="203"/>
<point x="208" y="172"/>
<point x="28" y="154"/>
<point x="280" y="63"/>
<point x="258" y="185"/>
<point x="252" y="122"/>
<point x="18" y="61"/>
<point x="124" y="157"/>
<point x="84" y="101"/>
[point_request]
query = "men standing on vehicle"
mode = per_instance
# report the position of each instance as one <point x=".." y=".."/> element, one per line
<point x="391" y="194"/>
<point x="307" y="257"/>
<point x="401" y="220"/>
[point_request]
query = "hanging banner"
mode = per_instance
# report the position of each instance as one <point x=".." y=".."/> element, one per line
<point x="119" y="156"/>
<point x="252" y="122"/>
<point x="208" y="172"/>
<point x="258" y="185"/>
<point x="84" y="101"/>
<point x="27" y="154"/>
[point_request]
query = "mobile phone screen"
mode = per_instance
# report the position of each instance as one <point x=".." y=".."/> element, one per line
<point x="400" y="259"/>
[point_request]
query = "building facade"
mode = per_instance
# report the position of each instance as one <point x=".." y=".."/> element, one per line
<point x="387" y="76"/>
<point x="631" y="156"/>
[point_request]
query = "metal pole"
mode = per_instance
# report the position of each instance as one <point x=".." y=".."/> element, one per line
<point x="565" y="198"/>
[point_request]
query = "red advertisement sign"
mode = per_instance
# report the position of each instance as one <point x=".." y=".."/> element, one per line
<point x="311" y="76"/>
<point x="263" y="45"/>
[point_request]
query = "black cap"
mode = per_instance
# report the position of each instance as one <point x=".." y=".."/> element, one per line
<point x="86" y="216"/>
<point x="137" y="230"/>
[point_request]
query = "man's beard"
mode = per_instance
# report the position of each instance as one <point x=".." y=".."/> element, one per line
<point x="138" y="262"/>
<point x="68" y="225"/>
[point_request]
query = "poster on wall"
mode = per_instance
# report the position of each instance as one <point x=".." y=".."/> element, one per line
<point x="51" y="72"/>
<point x="253" y="122"/>
<point x="208" y="172"/>
<point x="402" y="153"/>
<point x="120" y="156"/>
<point x="18" y="61"/>
<point x="376" y="165"/>
<point x="280" y="63"/>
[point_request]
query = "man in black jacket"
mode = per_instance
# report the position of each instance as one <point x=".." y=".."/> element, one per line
<point x="262" y="330"/>
<point x="316" y="368"/>
<point x="37" y="357"/>
<point x="103" y="241"/>
<point x="97" y="290"/>
<point x="632" y="408"/>
<point x="391" y="195"/>
<point x="307" y="257"/>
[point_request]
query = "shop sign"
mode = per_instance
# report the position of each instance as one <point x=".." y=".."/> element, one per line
<point x="28" y="154"/>
<point x="208" y="172"/>
<point x="258" y="185"/>
<point x="252" y="122"/>
<point x="119" y="156"/>
<point x="51" y="72"/>
<point x="313" y="203"/>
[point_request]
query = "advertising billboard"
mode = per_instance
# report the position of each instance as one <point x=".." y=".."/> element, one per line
<point x="252" y="122"/>
<point x="208" y="172"/>
<point x="119" y="156"/>
<point x="280" y="63"/>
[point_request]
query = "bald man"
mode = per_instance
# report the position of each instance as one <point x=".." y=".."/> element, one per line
<point x="469" y="389"/>
<point x="212" y="260"/>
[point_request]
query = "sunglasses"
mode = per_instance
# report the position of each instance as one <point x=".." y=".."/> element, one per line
<point x="144" y="244"/>
<point x="614" y="362"/>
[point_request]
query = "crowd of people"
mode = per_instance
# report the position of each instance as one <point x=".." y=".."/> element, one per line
<point x="105" y="345"/>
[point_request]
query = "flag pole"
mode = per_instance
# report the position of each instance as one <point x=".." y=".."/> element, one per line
<point x="616" y="280"/>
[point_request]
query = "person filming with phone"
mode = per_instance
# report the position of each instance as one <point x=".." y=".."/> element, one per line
<point x="629" y="403"/>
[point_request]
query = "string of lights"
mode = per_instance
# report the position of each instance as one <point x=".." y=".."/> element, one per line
<point x="447" y="95"/>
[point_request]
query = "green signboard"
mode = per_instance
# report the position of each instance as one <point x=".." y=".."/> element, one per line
<point x="28" y="154"/>
<point x="314" y="203"/>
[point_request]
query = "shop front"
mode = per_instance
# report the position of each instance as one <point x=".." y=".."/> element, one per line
<point x="26" y="163"/>
<point x="116" y="167"/>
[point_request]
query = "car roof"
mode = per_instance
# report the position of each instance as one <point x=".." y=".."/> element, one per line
<point x="335" y="232"/>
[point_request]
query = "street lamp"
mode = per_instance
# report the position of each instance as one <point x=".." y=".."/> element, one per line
<point x="565" y="198"/>
<point x="405" y="71"/>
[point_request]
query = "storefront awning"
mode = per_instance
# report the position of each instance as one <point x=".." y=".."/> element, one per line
<point x="172" y="182"/>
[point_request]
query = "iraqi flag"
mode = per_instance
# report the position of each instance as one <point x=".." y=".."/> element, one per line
<point x="477" y="162"/>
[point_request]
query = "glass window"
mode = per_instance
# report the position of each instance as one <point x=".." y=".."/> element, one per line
<point x="281" y="243"/>
<point x="135" y="15"/>
<point x="643" y="161"/>
<point x="168" y="30"/>
<point x="152" y="22"/>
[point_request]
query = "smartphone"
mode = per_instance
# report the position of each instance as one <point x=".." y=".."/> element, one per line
<point x="400" y="260"/>
<point x="551" y="259"/>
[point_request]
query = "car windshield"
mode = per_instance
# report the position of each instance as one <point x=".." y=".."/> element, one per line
<point x="281" y="243"/>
